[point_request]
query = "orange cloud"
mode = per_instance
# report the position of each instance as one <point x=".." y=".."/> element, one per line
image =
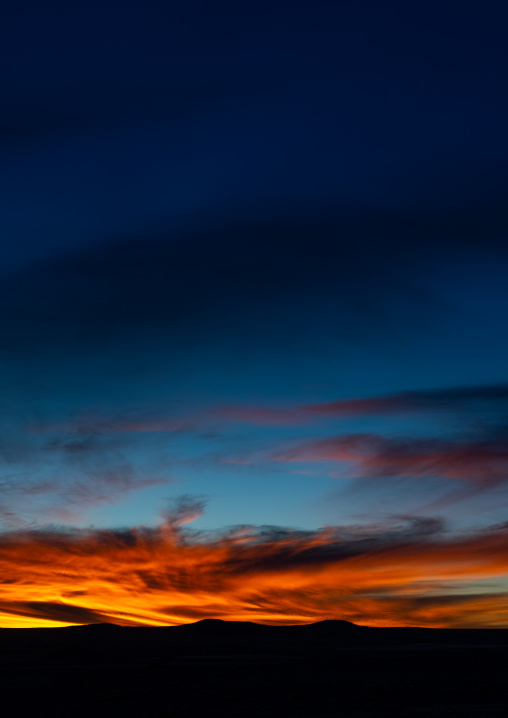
<point x="408" y="574"/>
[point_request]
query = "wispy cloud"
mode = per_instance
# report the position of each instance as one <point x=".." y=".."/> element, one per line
<point x="184" y="509"/>
<point x="93" y="424"/>
<point x="66" y="498"/>
<point x="482" y="463"/>
<point x="453" y="400"/>
<point x="58" y="472"/>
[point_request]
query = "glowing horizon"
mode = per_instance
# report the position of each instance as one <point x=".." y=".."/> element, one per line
<point x="410" y="574"/>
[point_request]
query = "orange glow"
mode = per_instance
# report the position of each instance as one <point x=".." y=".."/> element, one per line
<point x="167" y="576"/>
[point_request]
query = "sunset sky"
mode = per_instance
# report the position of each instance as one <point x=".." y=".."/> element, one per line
<point x="254" y="312"/>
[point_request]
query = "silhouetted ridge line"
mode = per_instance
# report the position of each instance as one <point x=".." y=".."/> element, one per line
<point x="216" y="625"/>
<point x="333" y="624"/>
<point x="96" y="626"/>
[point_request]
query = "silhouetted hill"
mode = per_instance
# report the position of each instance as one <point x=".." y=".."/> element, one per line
<point x="228" y="668"/>
<point x="95" y="626"/>
<point x="218" y="627"/>
<point x="331" y="626"/>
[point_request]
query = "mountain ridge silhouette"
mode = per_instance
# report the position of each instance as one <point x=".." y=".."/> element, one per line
<point x="219" y="624"/>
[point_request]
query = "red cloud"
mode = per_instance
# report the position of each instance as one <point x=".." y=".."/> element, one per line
<point x="484" y="463"/>
<point x="451" y="399"/>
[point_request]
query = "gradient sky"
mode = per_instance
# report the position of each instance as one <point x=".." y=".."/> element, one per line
<point x="254" y="312"/>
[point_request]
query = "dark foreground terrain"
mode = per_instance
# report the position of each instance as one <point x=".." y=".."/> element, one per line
<point x="213" y="668"/>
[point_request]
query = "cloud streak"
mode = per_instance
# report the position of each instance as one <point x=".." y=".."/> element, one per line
<point x="451" y="400"/>
<point x="407" y="572"/>
<point x="66" y="498"/>
<point x="92" y="424"/>
<point x="484" y="464"/>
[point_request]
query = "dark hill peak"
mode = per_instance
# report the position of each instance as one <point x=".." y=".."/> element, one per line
<point x="333" y="625"/>
<point x="216" y="625"/>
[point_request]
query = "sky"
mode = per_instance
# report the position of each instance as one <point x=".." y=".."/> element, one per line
<point x="254" y="312"/>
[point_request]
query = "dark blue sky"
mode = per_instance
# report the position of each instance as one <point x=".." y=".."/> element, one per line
<point x="215" y="214"/>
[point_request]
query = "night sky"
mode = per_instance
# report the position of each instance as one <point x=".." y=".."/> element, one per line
<point x="254" y="312"/>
